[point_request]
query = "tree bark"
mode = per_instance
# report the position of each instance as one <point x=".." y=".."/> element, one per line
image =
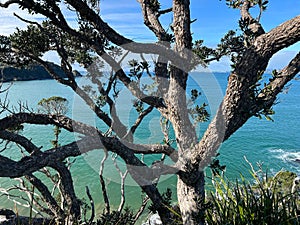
<point x="190" y="185"/>
<point x="240" y="101"/>
<point x="239" y="104"/>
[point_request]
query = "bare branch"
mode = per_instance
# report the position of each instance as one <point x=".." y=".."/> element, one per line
<point x="103" y="28"/>
<point x="1" y="85"/>
<point x="116" y="124"/>
<point x="27" y="21"/>
<point x="92" y="205"/>
<point x="132" y="86"/>
<point x="165" y="11"/>
<point x="43" y="189"/>
<point x="103" y="185"/>
<point x="75" y="126"/>
<point x="66" y="185"/>
<point x="15" y="198"/>
<point x="27" y="144"/>
<point x="139" y="120"/>
<point x="119" y="128"/>
<point x="8" y="3"/>
<point x="138" y="170"/>
<point x="123" y="178"/>
<point x="268" y="95"/>
<point x="54" y="181"/>
<point x="122" y="203"/>
<point x="142" y="208"/>
<point x="67" y="189"/>
<point x="151" y="20"/>
<point x="87" y="13"/>
<point x="113" y="75"/>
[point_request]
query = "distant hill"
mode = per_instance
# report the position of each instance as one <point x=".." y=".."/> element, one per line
<point x="34" y="72"/>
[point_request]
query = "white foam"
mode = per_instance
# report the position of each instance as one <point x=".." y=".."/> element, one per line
<point x="276" y="150"/>
<point x="291" y="157"/>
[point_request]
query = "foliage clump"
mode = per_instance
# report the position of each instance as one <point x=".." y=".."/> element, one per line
<point x="54" y="105"/>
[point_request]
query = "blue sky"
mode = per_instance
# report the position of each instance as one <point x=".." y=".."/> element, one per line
<point x="214" y="19"/>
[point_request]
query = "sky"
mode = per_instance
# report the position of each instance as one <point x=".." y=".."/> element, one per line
<point x="213" y="20"/>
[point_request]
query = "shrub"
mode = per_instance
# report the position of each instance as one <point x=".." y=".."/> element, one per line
<point x="266" y="201"/>
<point x="117" y="218"/>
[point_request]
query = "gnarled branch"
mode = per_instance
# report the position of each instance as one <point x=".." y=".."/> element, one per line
<point x="254" y="25"/>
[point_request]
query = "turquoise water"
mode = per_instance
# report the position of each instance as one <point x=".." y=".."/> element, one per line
<point x="276" y="144"/>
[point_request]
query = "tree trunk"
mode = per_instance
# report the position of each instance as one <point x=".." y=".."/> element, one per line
<point x="190" y="186"/>
<point x="191" y="196"/>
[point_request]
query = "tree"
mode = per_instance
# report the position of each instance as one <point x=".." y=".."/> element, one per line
<point x="250" y="50"/>
<point x="54" y="105"/>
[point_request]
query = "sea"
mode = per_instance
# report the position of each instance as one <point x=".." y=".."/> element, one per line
<point x="273" y="144"/>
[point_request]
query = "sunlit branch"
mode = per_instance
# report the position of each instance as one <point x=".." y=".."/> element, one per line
<point x="152" y="22"/>
<point x="103" y="185"/>
<point x="142" y="208"/>
<point x="54" y="181"/>
<point x="282" y="36"/>
<point x="123" y="178"/>
<point x="224" y="125"/>
<point x="254" y="25"/>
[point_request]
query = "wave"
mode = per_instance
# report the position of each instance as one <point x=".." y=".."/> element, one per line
<point x="290" y="157"/>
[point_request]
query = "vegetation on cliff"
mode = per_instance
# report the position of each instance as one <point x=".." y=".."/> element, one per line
<point x="33" y="72"/>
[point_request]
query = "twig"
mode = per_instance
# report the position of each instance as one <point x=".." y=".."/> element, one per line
<point x="123" y="178"/>
<point x="164" y="11"/>
<point x="28" y="21"/>
<point x="142" y="209"/>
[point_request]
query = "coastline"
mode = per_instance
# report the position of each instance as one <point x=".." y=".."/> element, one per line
<point x="32" y="72"/>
